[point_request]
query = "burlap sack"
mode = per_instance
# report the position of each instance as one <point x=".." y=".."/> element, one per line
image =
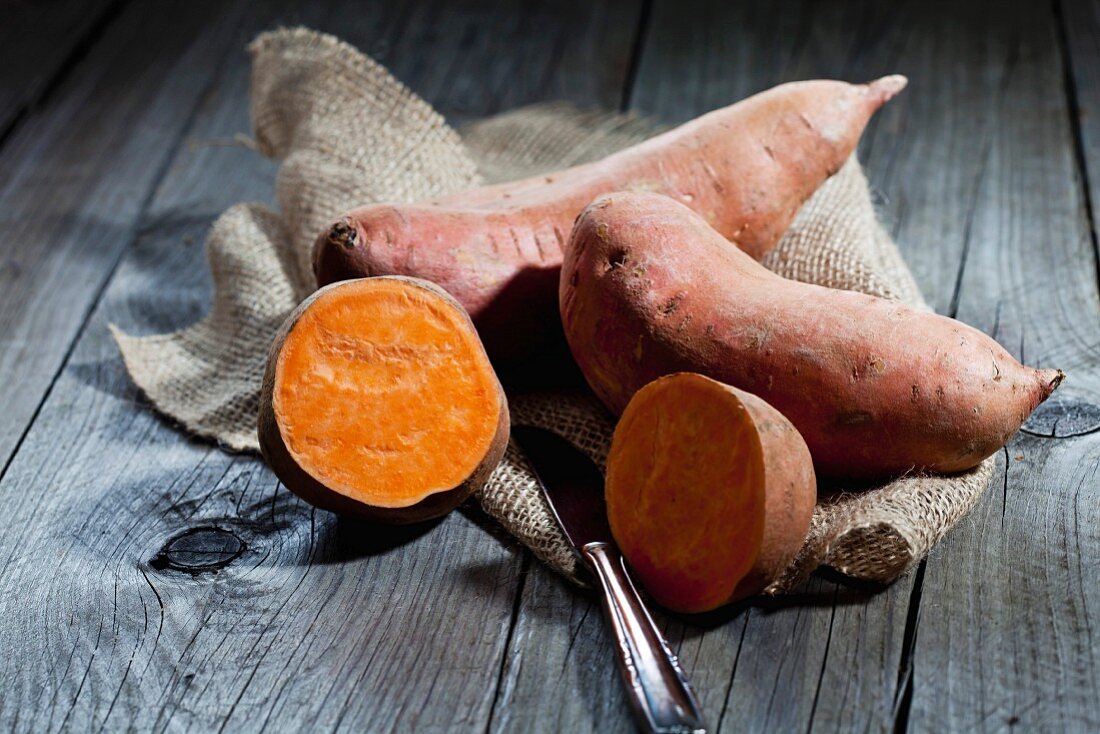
<point x="348" y="133"/>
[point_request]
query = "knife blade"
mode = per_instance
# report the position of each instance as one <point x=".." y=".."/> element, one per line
<point x="659" y="692"/>
<point x="571" y="482"/>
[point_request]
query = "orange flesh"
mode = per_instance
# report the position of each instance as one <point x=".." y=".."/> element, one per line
<point x="685" y="491"/>
<point x="384" y="394"/>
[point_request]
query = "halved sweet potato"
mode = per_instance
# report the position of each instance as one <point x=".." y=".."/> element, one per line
<point x="379" y="401"/>
<point x="709" y="489"/>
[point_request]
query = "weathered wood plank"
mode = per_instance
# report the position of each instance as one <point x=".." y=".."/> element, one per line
<point x="573" y="50"/>
<point x="1079" y="30"/>
<point x="309" y="622"/>
<point x="41" y="39"/>
<point x="836" y="665"/>
<point x="1011" y="604"/>
<point x="828" y="658"/>
<point x="74" y="178"/>
<point x="318" y="623"/>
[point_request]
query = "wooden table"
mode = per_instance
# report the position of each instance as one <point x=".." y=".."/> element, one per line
<point x="120" y="126"/>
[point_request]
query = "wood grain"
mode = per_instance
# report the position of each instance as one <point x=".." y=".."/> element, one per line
<point x="318" y="623"/>
<point x="826" y="658"/>
<point x="834" y="660"/>
<point x="157" y="583"/>
<point x="75" y="176"/>
<point x="484" y="58"/>
<point x="1010" y="602"/>
<point x="43" y="41"/>
<point x="154" y="582"/>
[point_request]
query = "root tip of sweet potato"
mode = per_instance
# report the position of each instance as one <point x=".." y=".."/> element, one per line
<point x="1052" y="378"/>
<point x="344" y="233"/>
<point x="888" y="87"/>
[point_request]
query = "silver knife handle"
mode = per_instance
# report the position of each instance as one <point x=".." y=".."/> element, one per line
<point x="660" y="696"/>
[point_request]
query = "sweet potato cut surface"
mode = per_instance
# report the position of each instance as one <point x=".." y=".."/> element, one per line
<point x="709" y="492"/>
<point x="876" y="388"/>
<point x="379" y="400"/>
<point x="747" y="169"/>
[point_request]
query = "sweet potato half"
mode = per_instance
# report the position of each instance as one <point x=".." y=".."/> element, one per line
<point x="709" y="490"/>
<point x="379" y="401"/>
<point x="746" y="168"/>
<point x="875" y="388"/>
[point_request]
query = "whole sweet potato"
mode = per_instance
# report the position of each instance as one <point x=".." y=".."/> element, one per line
<point x="747" y="169"/>
<point x="875" y="387"/>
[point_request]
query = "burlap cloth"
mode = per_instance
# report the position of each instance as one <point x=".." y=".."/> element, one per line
<point x="348" y="133"/>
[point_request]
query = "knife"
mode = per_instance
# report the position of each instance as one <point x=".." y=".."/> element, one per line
<point x="658" y="690"/>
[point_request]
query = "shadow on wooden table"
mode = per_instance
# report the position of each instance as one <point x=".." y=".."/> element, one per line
<point x="826" y="588"/>
<point x="356" y="538"/>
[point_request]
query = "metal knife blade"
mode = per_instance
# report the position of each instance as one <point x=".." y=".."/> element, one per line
<point x="571" y="482"/>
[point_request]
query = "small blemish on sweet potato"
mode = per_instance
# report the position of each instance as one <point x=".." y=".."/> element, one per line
<point x="755" y="340"/>
<point x="873" y="367"/>
<point x="854" y="418"/>
<point x="669" y="307"/>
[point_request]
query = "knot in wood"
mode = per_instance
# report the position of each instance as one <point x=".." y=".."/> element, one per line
<point x="1063" y="416"/>
<point x="199" y="550"/>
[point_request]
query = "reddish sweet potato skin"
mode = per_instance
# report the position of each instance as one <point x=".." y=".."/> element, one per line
<point x="300" y="482"/>
<point x="746" y="168"/>
<point x="789" y="498"/>
<point x="875" y="387"/>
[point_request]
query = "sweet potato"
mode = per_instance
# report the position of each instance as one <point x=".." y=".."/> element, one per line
<point x="379" y="401"/>
<point x="709" y="490"/>
<point x="875" y="387"/>
<point x="746" y="168"/>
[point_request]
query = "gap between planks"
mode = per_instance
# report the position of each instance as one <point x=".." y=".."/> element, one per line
<point x="108" y="275"/>
<point x="81" y="46"/>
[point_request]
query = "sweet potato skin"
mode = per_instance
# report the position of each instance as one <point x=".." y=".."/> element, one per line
<point x="747" y="169"/>
<point x="300" y="482"/>
<point x="875" y="387"/>
<point x="789" y="498"/>
<point x="780" y="484"/>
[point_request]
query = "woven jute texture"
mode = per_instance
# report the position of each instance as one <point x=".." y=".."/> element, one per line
<point x="347" y="133"/>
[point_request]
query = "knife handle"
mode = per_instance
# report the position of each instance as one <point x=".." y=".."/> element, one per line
<point x="660" y="695"/>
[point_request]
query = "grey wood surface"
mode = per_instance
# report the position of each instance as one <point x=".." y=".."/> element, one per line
<point x="315" y="622"/>
<point x="154" y="582"/>
<point x="1011" y="601"/>
<point x="827" y="658"/>
<point x="75" y="175"/>
<point x="43" y="40"/>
